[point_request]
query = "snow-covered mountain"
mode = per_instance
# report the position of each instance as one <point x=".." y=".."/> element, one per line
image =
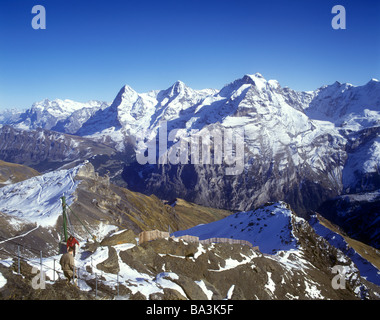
<point x="344" y="105"/>
<point x="65" y="116"/>
<point x="184" y="108"/>
<point x="352" y="108"/>
<point x="300" y="147"/>
<point x="138" y="115"/>
<point x="285" y="150"/>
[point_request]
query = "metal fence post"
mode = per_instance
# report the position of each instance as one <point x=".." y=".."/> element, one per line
<point x="18" y="256"/>
<point x="96" y="285"/>
<point x="41" y="262"/>
<point x="118" y="284"/>
<point x="78" y="278"/>
<point x="74" y="274"/>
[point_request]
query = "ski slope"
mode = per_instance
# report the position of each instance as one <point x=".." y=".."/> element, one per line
<point x="37" y="200"/>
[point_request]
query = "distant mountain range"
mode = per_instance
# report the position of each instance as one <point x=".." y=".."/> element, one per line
<point x="303" y="148"/>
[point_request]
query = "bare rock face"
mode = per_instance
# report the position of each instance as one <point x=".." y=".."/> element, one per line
<point x="263" y="181"/>
<point x="126" y="236"/>
<point x="111" y="264"/>
<point x="87" y="171"/>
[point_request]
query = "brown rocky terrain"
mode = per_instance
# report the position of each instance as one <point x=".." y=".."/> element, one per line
<point x="12" y="173"/>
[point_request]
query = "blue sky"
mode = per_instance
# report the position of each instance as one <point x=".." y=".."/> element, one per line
<point x="90" y="48"/>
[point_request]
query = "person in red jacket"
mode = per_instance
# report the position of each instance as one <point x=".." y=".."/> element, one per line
<point x="71" y="242"/>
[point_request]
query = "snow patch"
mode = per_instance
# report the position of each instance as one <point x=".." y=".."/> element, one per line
<point x="3" y="281"/>
<point x="312" y="290"/>
<point x="230" y="292"/>
<point x="206" y="291"/>
<point x="270" y="285"/>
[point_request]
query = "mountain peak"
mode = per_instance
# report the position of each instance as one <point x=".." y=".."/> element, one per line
<point x="257" y="75"/>
<point x="125" y="92"/>
<point x="179" y="82"/>
<point x="127" y="89"/>
<point x="44" y="102"/>
<point x="373" y="80"/>
<point x="256" y="79"/>
<point x="177" y="87"/>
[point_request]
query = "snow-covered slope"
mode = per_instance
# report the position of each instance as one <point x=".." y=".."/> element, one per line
<point x="269" y="227"/>
<point x="296" y="262"/>
<point x="173" y="269"/>
<point x="367" y="269"/>
<point x="37" y="200"/>
<point x="276" y="230"/>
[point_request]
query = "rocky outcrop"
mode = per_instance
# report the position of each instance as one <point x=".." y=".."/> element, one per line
<point x="110" y="265"/>
<point x="126" y="236"/>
